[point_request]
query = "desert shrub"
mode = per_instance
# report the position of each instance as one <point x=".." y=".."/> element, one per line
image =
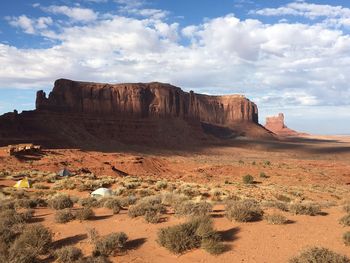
<point x="172" y="199"/>
<point x="26" y="203"/>
<point x="346" y="207"/>
<point x="88" y="202"/>
<point x="27" y="215"/>
<point x="276" y="219"/>
<point x="147" y="204"/>
<point x="263" y="175"/>
<point x="345" y="220"/>
<point x="277" y="204"/>
<point x="310" y="209"/>
<point x="267" y="163"/>
<point x="110" y="244"/>
<point x="120" y="190"/>
<point x="64" y="216"/>
<point x="113" y="204"/>
<point x="346" y="238"/>
<point x="34" y="241"/>
<point x="127" y="201"/>
<point x="283" y="198"/>
<point x="243" y="211"/>
<point x="40" y="202"/>
<point x="248" y="179"/>
<point x="161" y="185"/>
<point x="152" y="217"/>
<point x="61" y="202"/>
<point x="193" y="234"/>
<point x="41" y="186"/>
<point x="93" y="235"/>
<point x="319" y="255"/>
<point x="94" y="259"/>
<point x="84" y="214"/>
<point x="68" y="254"/>
<point x="7" y="205"/>
<point x="8" y="218"/>
<point x="189" y="208"/>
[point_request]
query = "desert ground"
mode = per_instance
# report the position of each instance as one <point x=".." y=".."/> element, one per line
<point x="313" y="172"/>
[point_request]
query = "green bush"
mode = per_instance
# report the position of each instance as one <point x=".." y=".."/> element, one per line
<point x="198" y="232"/>
<point x="68" y="254"/>
<point x="310" y="209"/>
<point x="248" y="179"/>
<point x="84" y="214"/>
<point x="319" y="255"/>
<point x="244" y="211"/>
<point x="64" y="216"/>
<point x="61" y="202"/>
<point x="110" y="244"/>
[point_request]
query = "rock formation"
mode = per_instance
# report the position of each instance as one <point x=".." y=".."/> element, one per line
<point x="276" y="125"/>
<point x="143" y="100"/>
<point x="82" y="113"/>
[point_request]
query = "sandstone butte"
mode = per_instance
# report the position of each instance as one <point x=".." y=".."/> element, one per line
<point x="277" y="125"/>
<point x="82" y="112"/>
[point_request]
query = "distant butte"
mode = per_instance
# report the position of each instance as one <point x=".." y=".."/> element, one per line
<point x="77" y="113"/>
<point x="276" y="125"/>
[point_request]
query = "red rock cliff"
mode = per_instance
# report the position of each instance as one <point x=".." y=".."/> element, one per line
<point x="142" y="100"/>
<point x="276" y="125"/>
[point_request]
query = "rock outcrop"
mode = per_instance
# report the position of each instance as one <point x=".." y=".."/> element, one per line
<point x="81" y="113"/>
<point x="276" y="125"/>
<point x="143" y="100"/>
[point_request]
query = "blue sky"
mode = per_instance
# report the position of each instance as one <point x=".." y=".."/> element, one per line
<point x="287" y="56"/>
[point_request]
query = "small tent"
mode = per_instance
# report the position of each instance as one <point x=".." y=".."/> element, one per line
<point x="24" y="183"/>
<point x="101" y="192"/>
<point x="64" y="172"/>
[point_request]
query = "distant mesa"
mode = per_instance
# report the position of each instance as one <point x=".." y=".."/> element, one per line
<point x="81" y="113"/>
<point x="276" y="125"/>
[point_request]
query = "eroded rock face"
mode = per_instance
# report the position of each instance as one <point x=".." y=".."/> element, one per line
<point x="142" y="100"/>
<point x="276" y="125"/>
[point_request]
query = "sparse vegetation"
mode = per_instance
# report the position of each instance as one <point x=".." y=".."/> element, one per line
<point x="198" y="232"/>
<point x="345" y="220"/>
<point x="111" y="244"/>
<point x="61" y="202"/>
<point x="64" y="216"/>
<point x="190" y="208"/>
<point x="319" y="255"/>
<point x="68" y="254"/>
<point x="34" y="241"/>
<point x="263" y="175"/>
<point x="84" y="214"/>
<point x="248" y="179"/>
<point x="243" y="211"/>
<point x="276" y="219"/>
<point x="310" y="209"/>
<point x="346" y="238"/>
<point x="113" y="204"/>
<point x="150" y="204"/>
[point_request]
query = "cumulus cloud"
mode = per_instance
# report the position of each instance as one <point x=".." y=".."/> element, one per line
<point x="331" y="15"/>
<point x="74" y="13"/>
<point x="282" y="64"/>
<point x="30" y="25"/>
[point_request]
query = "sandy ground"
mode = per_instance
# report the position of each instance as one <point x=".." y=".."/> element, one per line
<point x="315" y="168"/>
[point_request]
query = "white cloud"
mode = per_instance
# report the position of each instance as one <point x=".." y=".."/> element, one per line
<point x="331" y="15"/>
<point x="30" y="25"/>
<point x="74" y="13"/>
<point x="279" y="64"/>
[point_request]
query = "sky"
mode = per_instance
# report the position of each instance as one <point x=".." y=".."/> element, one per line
<point x="286" y="56"/>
